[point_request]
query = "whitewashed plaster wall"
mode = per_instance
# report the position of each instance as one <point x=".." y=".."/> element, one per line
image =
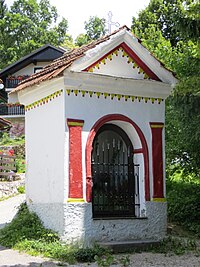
<point x="91" y="109"/>
<point x="45" y="127"/>
<point x="48" y="160"/>
<point x="29" y="70"/>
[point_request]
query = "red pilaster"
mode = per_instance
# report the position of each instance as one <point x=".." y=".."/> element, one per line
<point x="157" y="159"/>
<point x="75" y="158"/>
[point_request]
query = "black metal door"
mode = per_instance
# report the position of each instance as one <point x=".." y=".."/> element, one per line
<point x="113" y="192"/>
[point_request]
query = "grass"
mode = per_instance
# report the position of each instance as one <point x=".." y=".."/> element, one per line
<point x="26" y="233"/>
<point x="177" y="245"/>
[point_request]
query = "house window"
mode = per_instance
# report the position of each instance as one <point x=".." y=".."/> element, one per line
<point x="114" y="186"/>
<point x="37" y="69"/>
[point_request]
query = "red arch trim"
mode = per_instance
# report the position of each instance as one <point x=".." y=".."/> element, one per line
<point x="144" y="151"/>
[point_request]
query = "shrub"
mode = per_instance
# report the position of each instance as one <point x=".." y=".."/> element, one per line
<point x="89" y="254"/>
<point x="25" y="226"/>
<point x="21" y="189"/>
<point x="20" y="165"/>
<point x="7" y="141"/>
<point x="178" y="246"/>
<point x="27" y="233"/>
<point x="184" y="204"/>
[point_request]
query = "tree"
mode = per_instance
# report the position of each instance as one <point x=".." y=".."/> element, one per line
<point x="189" y="24"/>
<point x="3" y="9"/>
<point x="164" y="29"/>
<point x="26" y="27"/>
<point x="68" y="43"/>
<point x="186" y="102"/>
<point x="95" y="28"/>
<point x="163" y="15"/>
<point x="81" y="39"/>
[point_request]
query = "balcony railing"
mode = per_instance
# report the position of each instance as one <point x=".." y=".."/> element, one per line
<point x="12" y="82"/>
<point x="11" y="109"/>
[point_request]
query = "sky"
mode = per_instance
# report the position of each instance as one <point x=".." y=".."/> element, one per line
<point x="79" y="11"/>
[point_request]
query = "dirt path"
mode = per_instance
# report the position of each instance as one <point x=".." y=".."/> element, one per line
<point x="8" y="209"/>
<point x="13" y="258"/>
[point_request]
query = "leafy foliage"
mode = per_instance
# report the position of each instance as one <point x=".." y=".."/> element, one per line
<point x="27" y="233"/>
<point x="95" y="28"/>
<point x="81" y="39"/>
<point x="163" y="15"/>
<point x="21" y="189"/>
<point x="184" y="203"/>
<point x="104" y="261"/>
<point x="186" y="101"/>
<point x="25" y="225"/>
<point x="177" y="246"/>
<point x="20" y="165"/>
<point x="159" y="27"/>
<point x="190" y="22"/>
<point x="90" y="254"/>
<point x="68" y="43"/>
<point x="26" y="27"/>
<point x="5" y="140"/>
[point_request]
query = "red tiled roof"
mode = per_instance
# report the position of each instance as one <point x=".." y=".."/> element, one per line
<point x="57" y="67"/>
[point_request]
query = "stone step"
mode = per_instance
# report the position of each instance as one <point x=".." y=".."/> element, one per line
<point x="126" y="246"/>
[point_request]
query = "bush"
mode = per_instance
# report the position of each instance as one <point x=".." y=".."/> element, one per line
<point x="20" y="165"/>
<point x="89" y="254"/>
<point x="184" y="204"/>
<point x="7" y="141"/>
<point x="27" y="233"/>
<point x="25" y="226"/>
<point x="178" y="246"/>
<point x="21" y="189"/>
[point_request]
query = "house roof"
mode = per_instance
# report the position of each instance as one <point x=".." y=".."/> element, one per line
<point x="57" y="67"/>
<point x="45" y="53"/>
<point x="4" y="124"/>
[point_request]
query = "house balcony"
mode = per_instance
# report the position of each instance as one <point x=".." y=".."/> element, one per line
<point x="12" y="82"/>
<point x="11" y="110"/>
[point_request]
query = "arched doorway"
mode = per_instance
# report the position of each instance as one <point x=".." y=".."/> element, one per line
<point x="143" y="150"/>
<point x="113" y="191"/>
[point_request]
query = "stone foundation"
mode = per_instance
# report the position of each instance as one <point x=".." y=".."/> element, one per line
<point x="75" y="224"/>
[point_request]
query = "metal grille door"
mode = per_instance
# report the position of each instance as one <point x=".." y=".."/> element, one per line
<point x="113" y="193"/>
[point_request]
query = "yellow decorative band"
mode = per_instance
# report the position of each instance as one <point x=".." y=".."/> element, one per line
<point x="157" y="125"/>
<point x="75" y="200"/>
<point x="73" y="123"/>
<point x="43" y="100"/>
<point x="159" y="199"/>
<point x="113" y="96"/>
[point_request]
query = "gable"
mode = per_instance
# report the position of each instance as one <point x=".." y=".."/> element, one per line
<point x="122" y="62"/>
<point x="46" y="53"/>
<point x="119" y="55"/>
